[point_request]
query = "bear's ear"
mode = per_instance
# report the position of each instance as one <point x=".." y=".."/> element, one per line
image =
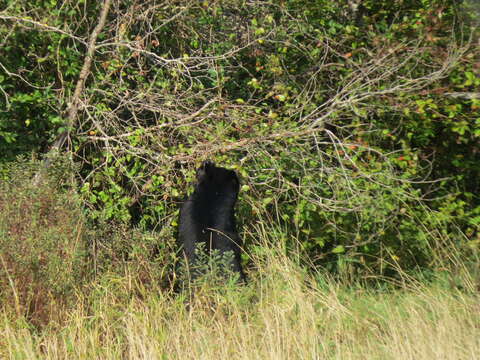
<point x="208" y="164"/>
<point x="235" y="180"/>
<point x="204" y="169"/>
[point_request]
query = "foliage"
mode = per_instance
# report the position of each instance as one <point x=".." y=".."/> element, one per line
<point x="117" y="250"/>
<point x="354" y="124"/>
<point x="49" y="251"/>
<point x="42" y="245"/>
<point x="37" y="70"/>
<point x="212" y="269"/>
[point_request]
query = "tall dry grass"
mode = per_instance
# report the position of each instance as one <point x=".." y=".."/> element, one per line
<point x="281" y="314"/>
<point x="118" y="307"/>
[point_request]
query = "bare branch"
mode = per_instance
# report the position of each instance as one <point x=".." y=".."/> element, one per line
<point x="464" y="95"/>
<point x="41" y="26"/>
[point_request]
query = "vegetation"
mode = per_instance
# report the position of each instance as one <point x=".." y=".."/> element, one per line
<point x="106" y="299"/>
<point x="61" y="302"/>
<point x="354" y="126"/>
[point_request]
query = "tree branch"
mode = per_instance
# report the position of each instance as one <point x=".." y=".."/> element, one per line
<point x="73" y="105"/>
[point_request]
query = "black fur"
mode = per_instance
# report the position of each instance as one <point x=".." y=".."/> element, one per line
<point x="208" y="215"/>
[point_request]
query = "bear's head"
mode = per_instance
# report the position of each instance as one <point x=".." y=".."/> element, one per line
<point x="217" y="179"/>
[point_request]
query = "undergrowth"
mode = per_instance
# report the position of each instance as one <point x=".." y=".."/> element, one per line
<point x="72" y="289"/>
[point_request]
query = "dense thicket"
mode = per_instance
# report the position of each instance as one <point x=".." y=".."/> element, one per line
<point x="354" y="124"/>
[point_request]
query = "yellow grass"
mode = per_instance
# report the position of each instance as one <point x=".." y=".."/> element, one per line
<point x="281" y="314"/>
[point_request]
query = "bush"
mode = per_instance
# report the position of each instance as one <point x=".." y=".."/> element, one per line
<point x="42" y="243"/>
<point x="50" y="251"/>
<point x="355" y="128"/>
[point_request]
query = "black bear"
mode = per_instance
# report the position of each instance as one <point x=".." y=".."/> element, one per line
<point x="208" y="216"/>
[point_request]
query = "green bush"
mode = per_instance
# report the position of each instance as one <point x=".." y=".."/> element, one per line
<point x="355" y="128"/>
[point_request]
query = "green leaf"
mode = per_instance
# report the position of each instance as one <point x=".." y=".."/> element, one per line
<point x="267" y="200"/>
<point x="340" y="249"/>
